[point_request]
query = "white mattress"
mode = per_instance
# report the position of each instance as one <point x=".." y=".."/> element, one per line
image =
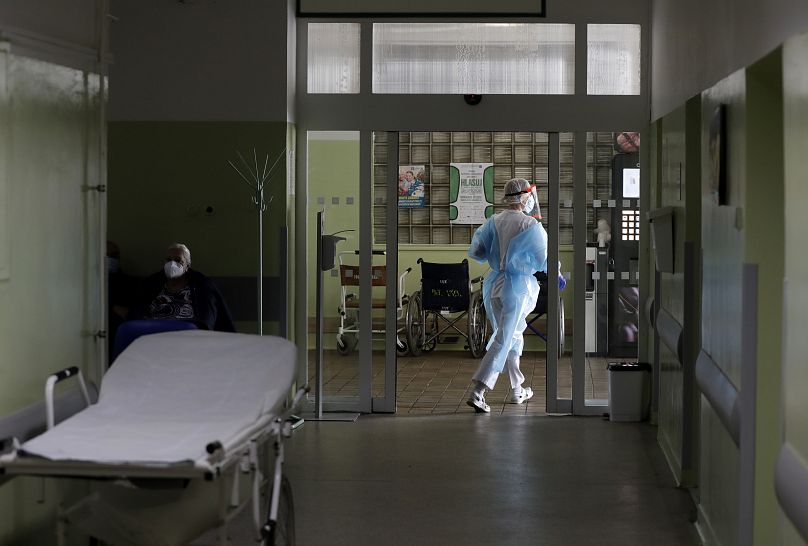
<point x="168" y="395"/>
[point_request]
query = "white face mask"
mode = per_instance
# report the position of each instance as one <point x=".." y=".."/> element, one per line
<point x="529" y="204"/>
<point x="173" y="270"/>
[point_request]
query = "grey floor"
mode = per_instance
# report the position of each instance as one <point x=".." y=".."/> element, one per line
<point x="484" y="479"/>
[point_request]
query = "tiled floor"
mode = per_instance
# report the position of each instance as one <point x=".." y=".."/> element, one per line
<point x="439" y="382"/>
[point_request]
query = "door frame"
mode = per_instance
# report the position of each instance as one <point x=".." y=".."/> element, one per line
<point x="367" y="112"/>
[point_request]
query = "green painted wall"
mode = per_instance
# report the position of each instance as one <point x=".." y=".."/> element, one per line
<point x="723" y="254"/>
<point x="794" y="427"/>
<point x="764" y="247"/>
<point x="50" y="262"/>
<point x="163" y="176"/>
<point x="672" y="193"/>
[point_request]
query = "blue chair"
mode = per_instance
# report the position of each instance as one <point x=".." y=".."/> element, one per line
<point x="130" y="330"/>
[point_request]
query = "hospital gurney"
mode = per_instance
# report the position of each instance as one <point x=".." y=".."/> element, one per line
<point x="178" y="442"/>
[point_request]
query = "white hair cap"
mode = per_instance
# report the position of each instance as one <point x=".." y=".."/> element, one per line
<point x="514" y="186"/>
<point x="186" y="254"/>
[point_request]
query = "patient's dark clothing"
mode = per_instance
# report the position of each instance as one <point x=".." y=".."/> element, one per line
<point x="172" y="305"/>
<point x="207" y="307"/>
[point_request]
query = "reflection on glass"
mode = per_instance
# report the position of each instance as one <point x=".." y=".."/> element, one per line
<point x="612" y="257"/>
<point x="333" y="161"/>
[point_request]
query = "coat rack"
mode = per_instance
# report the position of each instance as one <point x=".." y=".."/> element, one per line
<point x="256" y="181"/>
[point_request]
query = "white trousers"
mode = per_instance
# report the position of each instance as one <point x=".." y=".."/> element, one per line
<point x="485" y="374"/>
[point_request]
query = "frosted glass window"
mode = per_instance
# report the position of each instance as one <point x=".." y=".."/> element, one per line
<point x="474" y="58"/>
<point x="613" y="59"/>
<point x="333" y="63"/>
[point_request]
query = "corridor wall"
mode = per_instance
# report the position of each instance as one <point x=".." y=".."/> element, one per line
<point x="794" y="427"/>
<point x="50" y="262"/>
<point x="183" y="103"/>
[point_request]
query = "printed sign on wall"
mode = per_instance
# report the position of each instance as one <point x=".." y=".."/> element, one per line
<point x="411" y="186"/>
<point x="471" y="192"/>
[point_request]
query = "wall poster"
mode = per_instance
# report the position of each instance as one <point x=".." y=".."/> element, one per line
<point x="411" y="187"/>
<point x="471" y="192"/>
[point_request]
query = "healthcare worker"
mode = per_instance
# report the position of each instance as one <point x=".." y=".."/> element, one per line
<point x="514" y="244"/>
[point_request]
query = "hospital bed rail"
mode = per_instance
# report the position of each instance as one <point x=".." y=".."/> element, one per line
<point x="236" y="461"/>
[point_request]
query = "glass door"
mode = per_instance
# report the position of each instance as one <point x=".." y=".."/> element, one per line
<point x="349" y="323"/>
<point x="607" y="310"/>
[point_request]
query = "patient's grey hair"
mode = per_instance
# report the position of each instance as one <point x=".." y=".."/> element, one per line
<point x="186" y="254"/>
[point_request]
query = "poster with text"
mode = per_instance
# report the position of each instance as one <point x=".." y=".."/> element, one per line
<point x="471" y="192"/>
<point x="411" y="187"/>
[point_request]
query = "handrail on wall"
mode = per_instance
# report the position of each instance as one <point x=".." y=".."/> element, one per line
<point x="790" y="484"/>
<point x="670" y="332"/>
<point x="721" y="393"/>
<point x="649" y="311"/>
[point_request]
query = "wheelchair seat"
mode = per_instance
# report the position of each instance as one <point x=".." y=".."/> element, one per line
<point x="446" y="297"/>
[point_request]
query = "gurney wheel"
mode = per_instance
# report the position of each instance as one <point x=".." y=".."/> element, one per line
<point x="283" y="532"/>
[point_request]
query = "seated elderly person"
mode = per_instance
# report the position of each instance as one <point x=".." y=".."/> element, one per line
<point x="181" y="293"/>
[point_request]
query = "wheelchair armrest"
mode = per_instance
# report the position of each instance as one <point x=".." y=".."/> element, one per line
<point x="401" y="295"/>
<point x="477" y="279"/>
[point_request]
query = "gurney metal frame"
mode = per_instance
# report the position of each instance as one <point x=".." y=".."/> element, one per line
<point x="242" y="455"/>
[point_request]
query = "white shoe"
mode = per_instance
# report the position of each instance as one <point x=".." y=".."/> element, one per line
<point x="477" y="401"/>
<point x="521" y="396"/>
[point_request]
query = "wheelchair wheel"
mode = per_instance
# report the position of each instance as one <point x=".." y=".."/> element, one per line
<point x="415" y="324"/>
<point x="431" y="323"/>
<point x="282" y="533"/>
<point x="346" y="343"/>
<point x="402" y="347"/>
<point x="478" y="326"/>
<point x="560" y="327"/>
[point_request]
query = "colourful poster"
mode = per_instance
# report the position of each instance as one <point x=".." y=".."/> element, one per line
<point x="471" y="192"/>
<point x="411" y="187"/>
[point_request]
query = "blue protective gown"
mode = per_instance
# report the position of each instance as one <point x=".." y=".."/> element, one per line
<point x="510" y="290"/>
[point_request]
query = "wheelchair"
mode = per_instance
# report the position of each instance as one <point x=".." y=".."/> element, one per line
<point x="541" y="309"/>
<point x="348" y="332"/>
<point x="447" y="295"/>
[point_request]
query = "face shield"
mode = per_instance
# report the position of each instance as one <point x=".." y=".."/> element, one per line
<point x="529" y="199"/>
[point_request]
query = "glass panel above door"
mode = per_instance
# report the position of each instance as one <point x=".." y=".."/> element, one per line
<point x="474" y="58"/>
<point x="613" y="59"/>
<point x="333" y="58"/>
